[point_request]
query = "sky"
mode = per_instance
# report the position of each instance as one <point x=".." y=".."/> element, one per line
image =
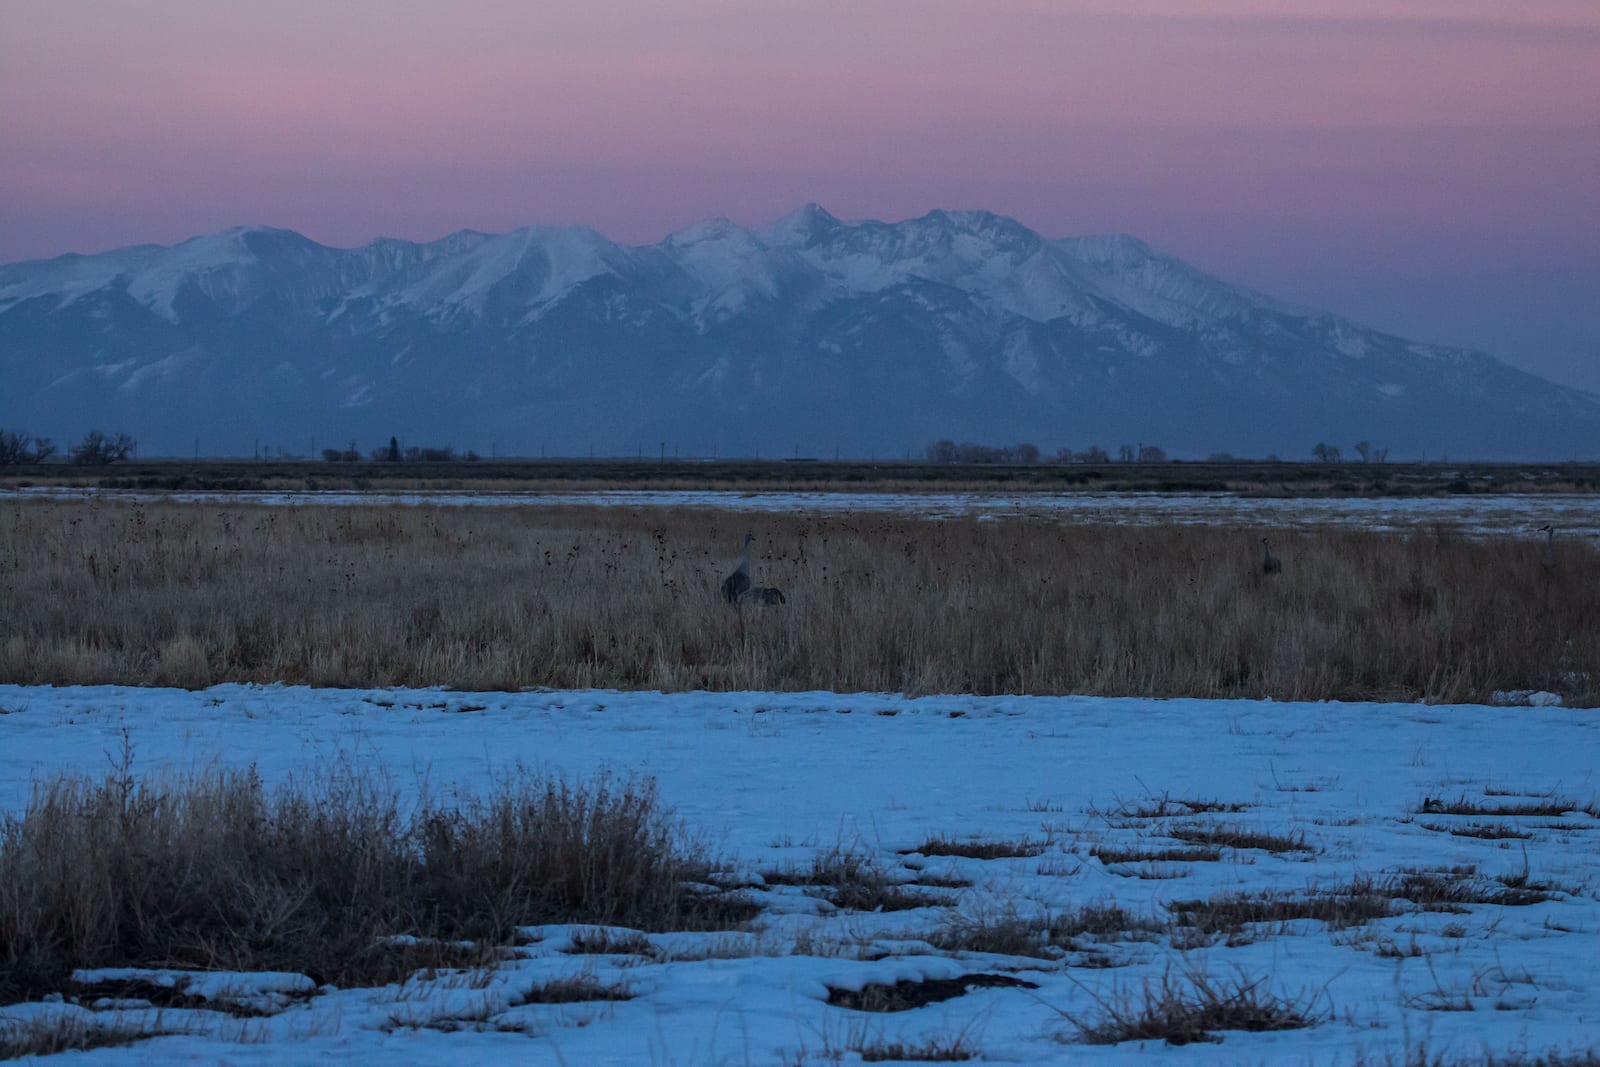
<point x="1431" y="167"/>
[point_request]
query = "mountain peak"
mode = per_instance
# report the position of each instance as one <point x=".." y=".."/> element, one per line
<point x="801" y="228"/>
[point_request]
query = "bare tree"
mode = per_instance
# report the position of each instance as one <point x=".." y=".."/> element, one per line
<point x="97" y="449"/>
<point x="1364" y="450"/>
<point x="13" y="447"/>
<point x="1327" y="453"/>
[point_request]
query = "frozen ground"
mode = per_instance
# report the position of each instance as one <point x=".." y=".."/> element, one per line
<point x="1510" y="514"/>
<point x="775" y="779"/>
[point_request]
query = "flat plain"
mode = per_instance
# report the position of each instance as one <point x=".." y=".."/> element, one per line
<point x="599" y="815"/>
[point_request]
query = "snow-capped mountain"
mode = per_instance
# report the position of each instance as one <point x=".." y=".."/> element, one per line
<point x="810" y="334"/>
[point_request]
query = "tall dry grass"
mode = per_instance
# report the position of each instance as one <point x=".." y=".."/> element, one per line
<point x="333" y="876"/>
<point x="483" y="598"/>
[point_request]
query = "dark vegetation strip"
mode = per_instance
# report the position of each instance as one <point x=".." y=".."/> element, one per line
<point x="1290" y="478"/>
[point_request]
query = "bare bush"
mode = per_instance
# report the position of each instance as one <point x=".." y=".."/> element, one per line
<point x="334" y="878"/>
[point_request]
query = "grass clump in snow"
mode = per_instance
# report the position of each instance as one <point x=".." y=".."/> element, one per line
<point x="333" y="877"/>
<point x="1181" y="1011"/>
<point x="1340" y="907"/>
<point x="853" y="880"/>
<point x="51" y="1034"/>
<point x="575" y="989"/>
<point x="1419" y="1055"/>
<point x="980" y="848"/>
<point x="605" y="942"/>
<point x="1111" y="855"/>
<point x="1455" y="889"/>
<point x="1548" y="805"/>
<point x="1003" y="934"/>
<point x="1482" y="831"/>
<point x="1166" y="806"/>
<point x="952" y="1049"/>
<point x="1227" y="835"/>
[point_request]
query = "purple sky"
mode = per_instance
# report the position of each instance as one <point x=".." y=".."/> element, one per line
<point x="1428" y="166"/>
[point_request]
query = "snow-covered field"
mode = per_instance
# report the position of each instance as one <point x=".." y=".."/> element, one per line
<point x="776" y="779"/>
<point x="1508" y="514"/>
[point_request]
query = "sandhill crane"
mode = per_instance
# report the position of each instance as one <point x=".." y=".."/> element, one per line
<point x="737" y="584"/>
<point x="736" y="587"/>
<point x="1547" y="558"/>
<point x="1270" y="564"/>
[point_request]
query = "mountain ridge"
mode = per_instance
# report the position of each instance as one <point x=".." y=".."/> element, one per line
<point x="809" y="333"/>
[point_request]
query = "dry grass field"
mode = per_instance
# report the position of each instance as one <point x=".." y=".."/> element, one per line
<point x="191" y="595"/>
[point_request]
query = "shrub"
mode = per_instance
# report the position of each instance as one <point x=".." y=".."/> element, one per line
<point x="334" y="878"/>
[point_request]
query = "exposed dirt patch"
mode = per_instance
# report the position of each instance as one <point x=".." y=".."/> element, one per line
<point x="907" y="993"/>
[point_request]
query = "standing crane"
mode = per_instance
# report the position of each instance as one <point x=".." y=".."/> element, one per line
<point x="736" y="587"/>
<point x="1270" y="564"/>
<point x="737" y="584"/>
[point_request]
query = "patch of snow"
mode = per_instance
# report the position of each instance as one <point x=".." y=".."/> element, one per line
<point x="777" y="780"/>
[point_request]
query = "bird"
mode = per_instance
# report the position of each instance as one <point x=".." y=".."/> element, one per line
<point x="1547" y="559"/>
<point x="1270" y="564"/>
<point x="766" y="594"/>
<point x="737" y="584"/>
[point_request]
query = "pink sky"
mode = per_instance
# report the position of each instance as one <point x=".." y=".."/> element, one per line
<point x="1428" y="166"/>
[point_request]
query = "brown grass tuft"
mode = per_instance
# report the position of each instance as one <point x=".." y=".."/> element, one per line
<point x="49" y="1035"/>
<point x="1192" y="1009"/>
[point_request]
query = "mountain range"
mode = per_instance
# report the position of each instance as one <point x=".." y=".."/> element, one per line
<point x="809" y="336"/>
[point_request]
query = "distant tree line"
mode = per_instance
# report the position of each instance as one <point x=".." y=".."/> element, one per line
<point x="1327" y="453"/>
<point x="96" y="449"/>
<point x="948" y="451"/>
<point x="393" y="453"/>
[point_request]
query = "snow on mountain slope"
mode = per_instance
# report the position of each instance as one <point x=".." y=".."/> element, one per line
<point x="872" y="335"/>
<point x="732" y="266"/>
<point x="1129" y="272"/>
<point x="531" y="266"/>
